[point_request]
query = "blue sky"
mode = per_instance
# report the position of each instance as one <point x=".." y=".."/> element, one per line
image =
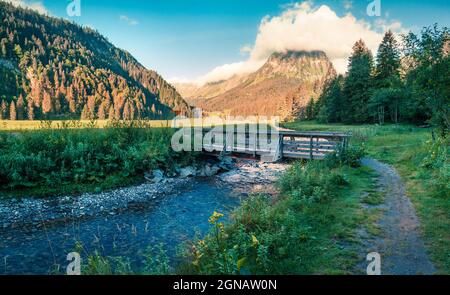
<point x="188" y="38"/>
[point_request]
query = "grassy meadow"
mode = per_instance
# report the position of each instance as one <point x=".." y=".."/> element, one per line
<point x="72" y="159"/>
<point x="424" y="167"/>
<point x="75" y="124"/>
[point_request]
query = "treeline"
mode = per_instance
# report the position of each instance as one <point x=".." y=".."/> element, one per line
<point x="52" y="68"/>
<point x="408" y="81"/>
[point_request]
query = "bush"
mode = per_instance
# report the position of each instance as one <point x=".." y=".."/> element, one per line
<point x="350" y="155"/>
<point x="309" y="182"/>
<point x="72" y="156"/>
<point x="437" y="163"/>
<point x="270" y="236"/>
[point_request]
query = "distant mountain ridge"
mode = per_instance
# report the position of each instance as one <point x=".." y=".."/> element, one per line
<point x="53" y="68"/>
<point x="282" y="86"/>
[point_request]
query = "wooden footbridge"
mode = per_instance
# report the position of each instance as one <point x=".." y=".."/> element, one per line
<point x="275" y="146"/>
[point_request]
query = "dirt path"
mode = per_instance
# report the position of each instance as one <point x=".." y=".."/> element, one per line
<point x="401" y="248"/>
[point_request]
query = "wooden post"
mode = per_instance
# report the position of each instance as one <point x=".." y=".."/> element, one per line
<point x="256" y="144"/>
<point x="280" y="147"/>
<point x="311" y="148"/>
<point x="224" y="151"/>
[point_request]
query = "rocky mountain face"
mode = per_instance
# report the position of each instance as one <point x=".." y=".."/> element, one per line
<point x="194" y="93"/>
<point x="51" y="68"/>
<point x="282" y="86"/>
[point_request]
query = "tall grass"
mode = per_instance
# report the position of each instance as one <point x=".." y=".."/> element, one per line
<point x="76" y="159"/>
<point x="299" y="232"/>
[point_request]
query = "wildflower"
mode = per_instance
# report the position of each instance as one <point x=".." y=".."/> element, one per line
<point x="216" y="216"/>
<point x="255" y="241"/>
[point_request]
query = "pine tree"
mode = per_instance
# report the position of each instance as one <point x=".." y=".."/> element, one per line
<point x="47" y="105"/>
<point x="71" y="100"/>
<point x="101" y="114"/>
<point x="91" y="107"/>
<point x="358" y="85"/>
<point x="331" y="99"/>
<point x="111" y="113"/>
<point x="310" y="108"/>
<point x="30" y="109"/>
<point x="12" y="111"/>
<point x="20" y="108"/>
<point x="127" y="111"/>
<point x="3" y="110"/>
<point x="85" y="115"/>
<point x="388" y="61"/>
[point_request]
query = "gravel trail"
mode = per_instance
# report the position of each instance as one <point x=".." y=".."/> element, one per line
<point x="400" y="245"/>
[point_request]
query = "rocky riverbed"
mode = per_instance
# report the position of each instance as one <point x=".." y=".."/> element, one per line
<point x="242" y="175"/>
<point x="36" y="234"/>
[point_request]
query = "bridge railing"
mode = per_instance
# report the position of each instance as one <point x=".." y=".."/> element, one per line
<point x="312" y="145"/>
<point x="276" y="145"/>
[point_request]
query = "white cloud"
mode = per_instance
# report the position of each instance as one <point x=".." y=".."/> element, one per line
<point x="229" y="70"/>
<point x="35" y="5"/>
<point x="304" y="27"/>
<point x="245" y="49"/>
<point x="129" y="21"/>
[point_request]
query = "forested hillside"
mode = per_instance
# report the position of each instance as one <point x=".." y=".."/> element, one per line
<point x="51" y="68"/>
<point x="408" y="81"/>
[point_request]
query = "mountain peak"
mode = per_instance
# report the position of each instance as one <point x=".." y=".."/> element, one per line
<point x="297" y="54"/>
<point x="304" y="65"/>
<point x="282" y="86"/>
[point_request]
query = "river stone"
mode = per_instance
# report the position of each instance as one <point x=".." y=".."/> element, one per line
<point x="211" y="170"/>
<point x="156" y="176"/>
<point x="187" y="172"/>
<point x="226" y="164"/>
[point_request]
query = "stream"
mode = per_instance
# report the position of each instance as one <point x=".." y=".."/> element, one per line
<point x="37" y="244"/>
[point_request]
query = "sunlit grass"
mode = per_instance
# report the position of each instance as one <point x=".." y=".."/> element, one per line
<point x="405" y="147"/>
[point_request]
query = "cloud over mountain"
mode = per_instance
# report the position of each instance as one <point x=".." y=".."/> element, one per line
<point x="302" y="26"/>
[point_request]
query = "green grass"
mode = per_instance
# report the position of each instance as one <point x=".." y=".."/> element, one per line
<point x="374" y="198"/>
<point x="405" y="147"/>
<point x="65" y="160"/>
<point x="75" y="124"/>
<point x="309" y="229"/>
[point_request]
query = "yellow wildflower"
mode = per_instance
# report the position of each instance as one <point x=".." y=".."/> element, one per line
<point x="255" y="241"/>
<point x="216" y="216"/>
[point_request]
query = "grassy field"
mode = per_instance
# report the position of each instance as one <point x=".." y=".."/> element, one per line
<point x="36" y="125"/>
<point x="408" y="149"/>
<point x="68" y="160"/>
<point x="79" y="124"/>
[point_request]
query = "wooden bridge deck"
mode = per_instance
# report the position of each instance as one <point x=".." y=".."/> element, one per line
<point x="282" y="144"/>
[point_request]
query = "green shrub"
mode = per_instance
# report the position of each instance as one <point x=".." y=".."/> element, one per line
<point x="273" y="236"/>
<point x="70" y="156"/>
<point x="437" y="164"/>
<point x="309" y="182"/>
<point x="350" y="155"/>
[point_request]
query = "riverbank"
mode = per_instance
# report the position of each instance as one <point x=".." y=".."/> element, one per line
<point x="125" y="222"/>
<point x="307" y="227"/>
<point x="67" y="161"/>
